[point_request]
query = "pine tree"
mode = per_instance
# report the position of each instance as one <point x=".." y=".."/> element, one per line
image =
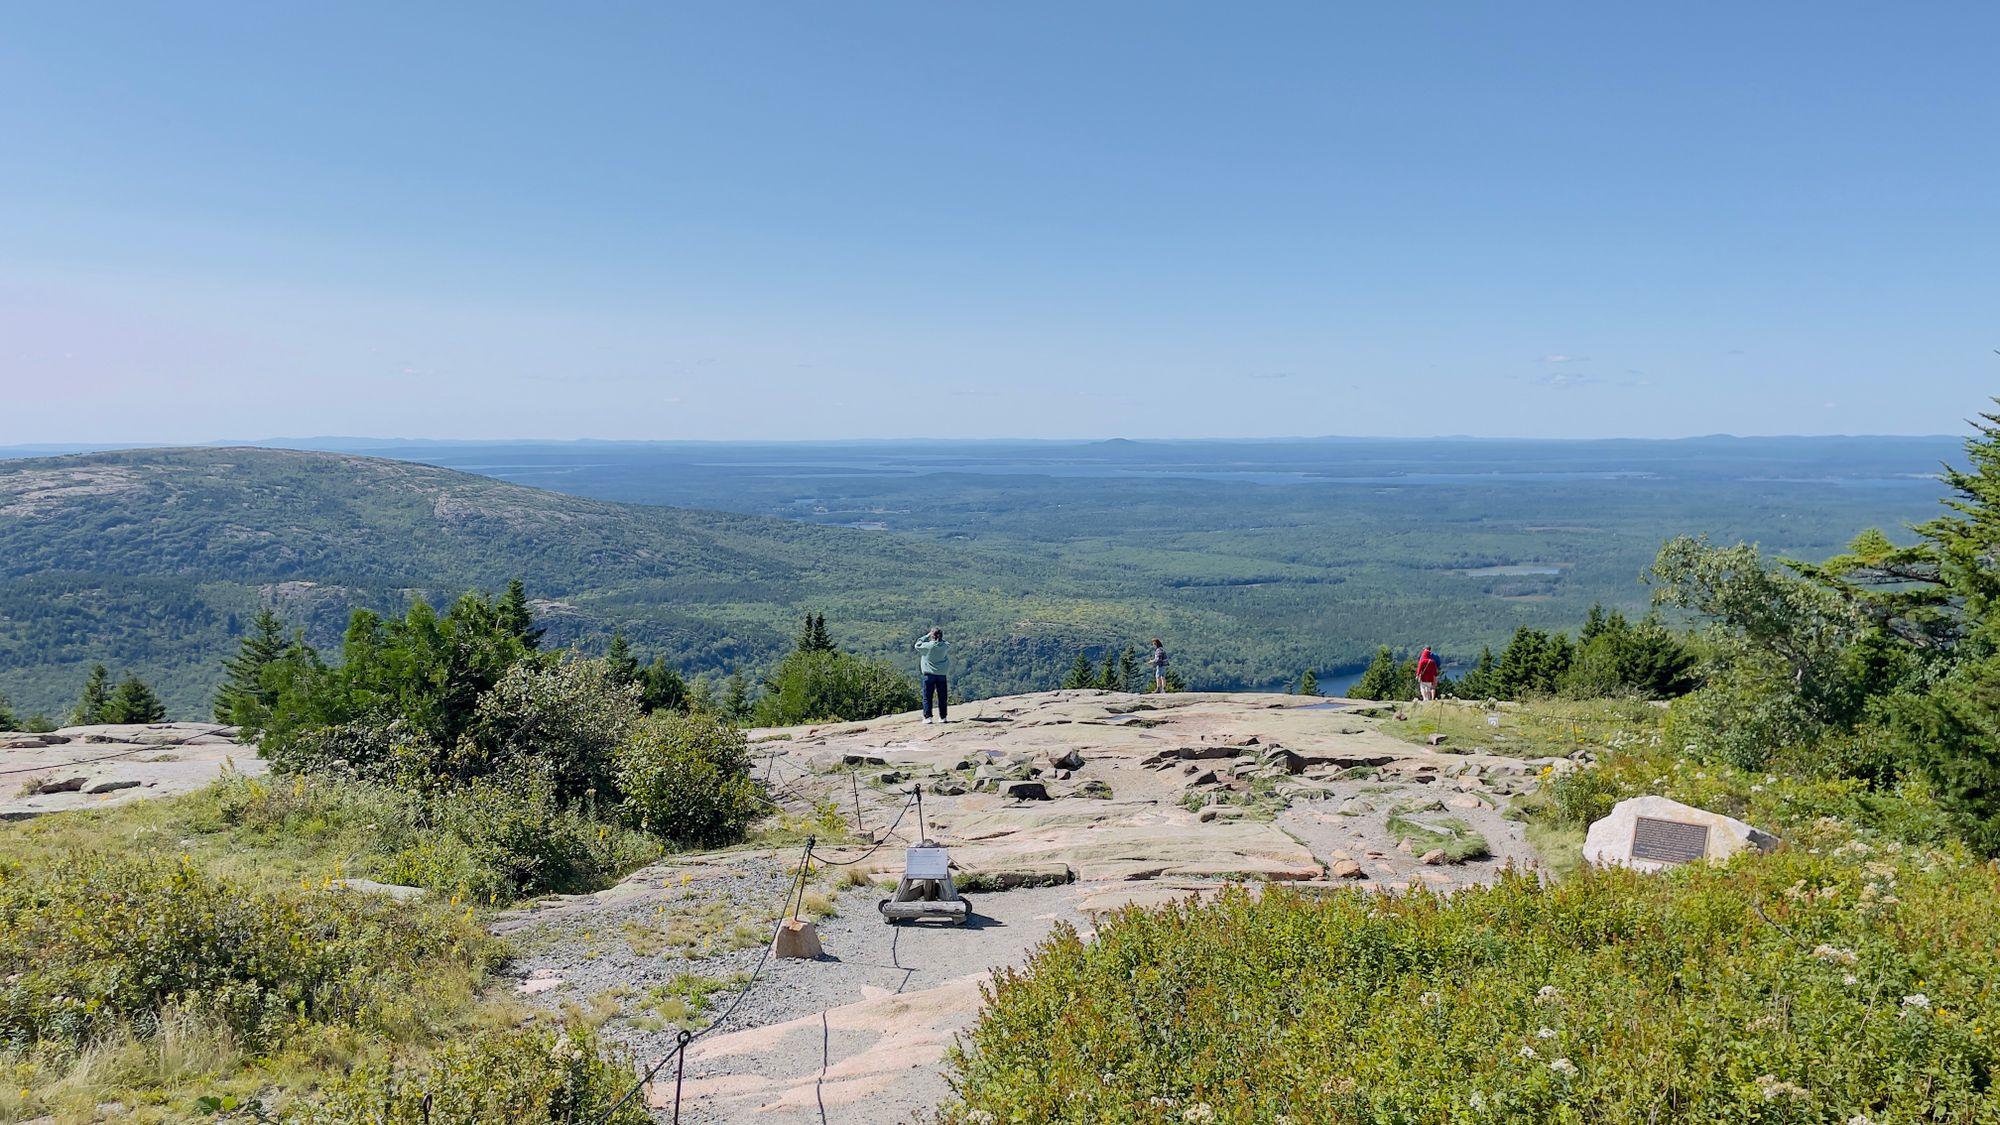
<point x="624" y="666"/>
<point x="1108" y="678"/>
<point x="662" y="689"/>
<point x="1381" y="680"/>
<point x="7" y="719"/>
<point x="1309" y="683"/>
<point x="133" y="702"/>
<point x="96" y="693"/>
<point x="244" y="699"/>
<point x="1129" y="671"/>
<point x="516" y="617"/>
<point x="736" y="698"/>
<point x="1082" y="674"/>
<point x="813" y="636"/>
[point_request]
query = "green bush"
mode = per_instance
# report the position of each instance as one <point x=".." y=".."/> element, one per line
<point x="819" y="685"/>
<point x="103" y="943"/>
<point x="1609" y="997"/>
<point x="517" y="1077"/>
<point x="490" y="844"/>
<point x="687" y="778"/>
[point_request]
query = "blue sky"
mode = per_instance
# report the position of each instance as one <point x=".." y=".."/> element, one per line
<point x="241" y="220"/>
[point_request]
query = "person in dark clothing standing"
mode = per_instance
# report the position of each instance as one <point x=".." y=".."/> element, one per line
<point x="934" y="660"/>
<point x="1159" y="662"/>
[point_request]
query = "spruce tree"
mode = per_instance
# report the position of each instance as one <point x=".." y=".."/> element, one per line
<point x="662" y="689"/>
<point x="133" y="702"/>
<point x="244" y="699"/>
<point x="624" y="666"/>
<point x="1082" y="673"/>
<point x="1381" y="680"/>
<point x="516" y="617"/>
<point x="7" y="719"/>
<point x="1309" y="683"/>
<point x="96" y="693"/>
<point x="1108" y="678"/>
<point x="1129" y="672"/>
<point x="736" y="702"/>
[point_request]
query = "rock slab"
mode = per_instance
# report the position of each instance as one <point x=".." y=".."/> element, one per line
<point x="1650" y="833"/>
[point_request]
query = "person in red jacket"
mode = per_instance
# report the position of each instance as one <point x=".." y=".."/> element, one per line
<point x="1427" y="675"/>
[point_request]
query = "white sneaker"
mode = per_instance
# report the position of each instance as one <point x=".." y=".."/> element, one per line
<point x="927" y="720"/>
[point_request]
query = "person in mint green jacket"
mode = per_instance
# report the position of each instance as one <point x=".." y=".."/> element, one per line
<point x="934" y="661"/>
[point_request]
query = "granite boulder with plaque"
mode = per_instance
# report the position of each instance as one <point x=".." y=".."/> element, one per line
<point x="1649" y="833"/>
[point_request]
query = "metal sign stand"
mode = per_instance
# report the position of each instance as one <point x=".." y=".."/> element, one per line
<point x="926" y="890"/>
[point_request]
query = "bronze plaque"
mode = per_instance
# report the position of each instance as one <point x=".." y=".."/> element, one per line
<point x="1668" y="841"/>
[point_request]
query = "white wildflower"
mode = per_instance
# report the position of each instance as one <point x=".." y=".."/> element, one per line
<point x="1199" y="1113"/>
<point x="1478" y="1100"/>
<point x="1546" y="1033"/>
<point x="1860" y="1119"/>
<point x="1835" y="954"/>
<point x="1430" y="1000"/>
<point x="1527" y="1052"/>
<point x="1850" y="980"/>
<point x="1773" y="1089"/>
<point x="1756" y="789"/>
<point x="1563" y="1066"/>
<point x="1549" y="994"/>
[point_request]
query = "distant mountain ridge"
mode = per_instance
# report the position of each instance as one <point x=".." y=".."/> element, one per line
<point x="152" y="559"/>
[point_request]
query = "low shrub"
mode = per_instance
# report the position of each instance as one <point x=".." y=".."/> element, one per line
<point x="1854" y="984"/>
<point x="490" y="844"/>
<point x="687" y="778"/>
<point x="529" y="1076"/>
<point x="107" y="944"/>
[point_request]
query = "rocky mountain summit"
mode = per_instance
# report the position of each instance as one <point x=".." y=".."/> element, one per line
<point x="1055" y="808"/>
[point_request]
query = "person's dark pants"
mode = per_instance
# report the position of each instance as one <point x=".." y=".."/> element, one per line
<point x="933" y="686"/>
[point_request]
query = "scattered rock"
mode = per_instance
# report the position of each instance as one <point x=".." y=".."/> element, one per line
<point x="1025" y="791"/>
<point x="1206" y="777"/>
<point x="1062" y="775"/>
<point x="1345" y="869"/>
<point x="1094" y="789"/>
<point x="113" y="786"/>
<point x="1468" y="801"/>
<point x="1070" y="761"/>
<point x="1434" y="740"/>
<point x="1403" y="846"/>
<point x="862" y="760"/>
<point x="1671" y="832"/>
<point x="66" y="785"/>
<point x="1431" y="858"/>
<point x="892" y="777"/>
<point x="388" y="890"/>
<point x="538" y="985"/>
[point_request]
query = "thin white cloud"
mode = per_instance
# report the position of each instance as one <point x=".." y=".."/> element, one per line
<point x="1565" y="359"/>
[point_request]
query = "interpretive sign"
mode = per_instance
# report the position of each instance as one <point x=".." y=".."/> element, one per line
<point x="926" y="863"/>
<point x="1668" y="841"/>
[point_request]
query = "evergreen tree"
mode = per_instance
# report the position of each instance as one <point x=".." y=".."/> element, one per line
<point x="1309" y="683"/>
<point x="662" y="689"/>
<point x="244" y="699"/>
<point x="96" y="693"/>
<point x="1130" y="673"/>
<point x="736" y="702"/>
<point x="1381" y="679"/>
<point x="1480" y="682"/>
<point x="133" y="702"/>
<point x="7" y="719"/>
<point x="1108" y="679"/>
<point x="813" y="637"/>
<point x="624" y="666"/>
<point x="517" y="618"/>
<point x="1082" y="673"/>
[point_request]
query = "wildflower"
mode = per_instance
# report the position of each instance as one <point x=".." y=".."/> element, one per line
<point x="1546" y="1033"/>
<point x="1832" y="953"/>
<point x="1527" y="1052"/>
<point x="1478" y="1100"/>
<point x="1199" y="1112"/>
<point x="1563" y="1066"/>
<point x="1850" y="980"/>
<point x="1915" y="1002"/>
<point x="1773" y="1089"/>
<point x="1860" y="1119"/>
<point x="1430" y="1000"/>
<point x="979" y="1117"/>
<point x="1549" y="994"/>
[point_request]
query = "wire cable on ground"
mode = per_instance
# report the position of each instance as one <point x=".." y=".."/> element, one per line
<point x="686" y="1037"/>
<point x="879" y="843"/>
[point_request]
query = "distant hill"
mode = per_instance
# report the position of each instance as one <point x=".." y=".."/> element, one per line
<point x="154" y="560"/>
